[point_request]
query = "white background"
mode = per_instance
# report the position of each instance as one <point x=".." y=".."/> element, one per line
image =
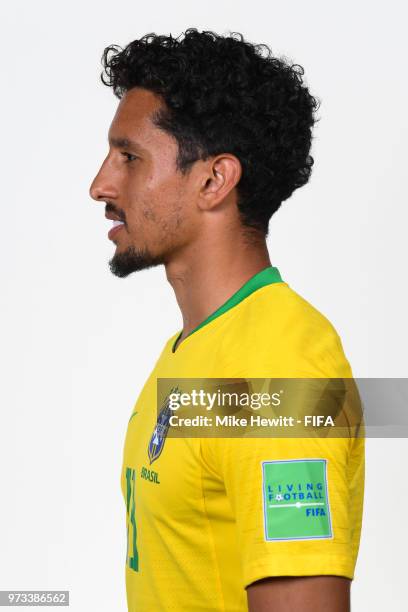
<point x="78" y="343"/>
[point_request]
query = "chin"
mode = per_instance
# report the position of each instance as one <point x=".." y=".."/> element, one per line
<point x="132" y="260"/>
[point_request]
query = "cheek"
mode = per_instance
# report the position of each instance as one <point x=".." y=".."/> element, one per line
<point x="163" y="203"/>
<point x="140" y="205"/>
<point x="148" y="211"/>
<point x="146" y="219"/>
<point x="158" y="208"/>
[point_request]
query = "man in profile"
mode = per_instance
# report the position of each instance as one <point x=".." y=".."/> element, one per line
<point x="210" y="136"/>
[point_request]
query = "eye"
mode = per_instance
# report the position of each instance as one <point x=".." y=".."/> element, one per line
<point x="129" y="157"/>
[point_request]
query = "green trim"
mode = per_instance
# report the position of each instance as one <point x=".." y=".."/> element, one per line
<point x="267" y="276"/>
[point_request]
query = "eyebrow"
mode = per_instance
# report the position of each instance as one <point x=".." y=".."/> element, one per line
<point x="124" y="143"/>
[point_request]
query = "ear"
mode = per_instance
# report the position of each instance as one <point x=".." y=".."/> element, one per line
<point x="222" y="174"/>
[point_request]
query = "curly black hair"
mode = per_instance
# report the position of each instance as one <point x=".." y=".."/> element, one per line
<point x="223" y="94"/>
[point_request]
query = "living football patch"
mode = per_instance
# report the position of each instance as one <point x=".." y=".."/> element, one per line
<point x="295" y="500"/>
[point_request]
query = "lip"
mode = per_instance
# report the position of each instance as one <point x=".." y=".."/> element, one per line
<point x="114" y="231"/>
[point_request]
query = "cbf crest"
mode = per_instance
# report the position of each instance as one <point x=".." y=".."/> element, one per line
<point x="160" y="431"/>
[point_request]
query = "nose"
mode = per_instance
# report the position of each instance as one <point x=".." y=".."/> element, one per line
<point x="102" y="187"/>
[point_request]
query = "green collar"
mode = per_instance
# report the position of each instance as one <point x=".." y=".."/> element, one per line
<point x="265" y="277"/>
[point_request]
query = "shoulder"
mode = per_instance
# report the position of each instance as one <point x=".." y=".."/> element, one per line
<point x="277" y="330"/>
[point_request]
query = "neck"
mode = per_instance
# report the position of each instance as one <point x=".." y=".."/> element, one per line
<point x="205" y="276"/>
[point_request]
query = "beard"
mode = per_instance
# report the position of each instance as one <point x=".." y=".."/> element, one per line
<point x="133" y="260"/>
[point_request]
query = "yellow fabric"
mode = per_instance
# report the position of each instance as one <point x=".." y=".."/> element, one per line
<point x="195" y="519"/>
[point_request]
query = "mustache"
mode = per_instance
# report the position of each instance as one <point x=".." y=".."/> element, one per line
<point x="111" y="208"/>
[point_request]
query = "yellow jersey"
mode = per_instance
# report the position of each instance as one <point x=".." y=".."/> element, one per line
<point x="202" y="521"/>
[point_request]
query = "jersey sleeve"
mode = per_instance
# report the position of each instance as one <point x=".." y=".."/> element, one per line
<point x="297" y="504"/>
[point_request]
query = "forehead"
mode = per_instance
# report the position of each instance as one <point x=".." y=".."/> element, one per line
<point x="133" y="117"/>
